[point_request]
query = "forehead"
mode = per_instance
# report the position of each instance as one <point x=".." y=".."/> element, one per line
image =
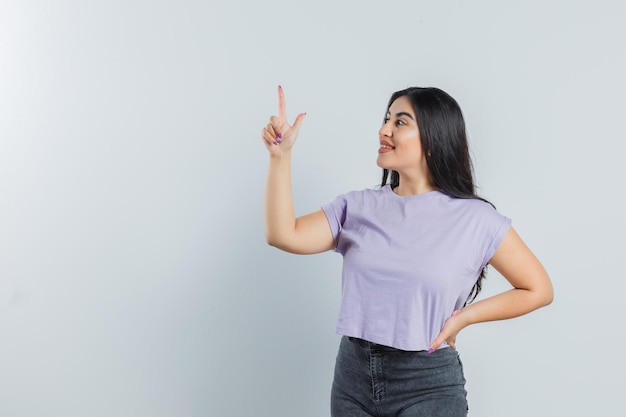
<point x="402" y="105"/>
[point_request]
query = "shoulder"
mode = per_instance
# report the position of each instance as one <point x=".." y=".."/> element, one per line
<point x="363" y="195"/>
<point x="474" y="205"/>
<point x="352" y="201"/>
<point x="478" y="210"/>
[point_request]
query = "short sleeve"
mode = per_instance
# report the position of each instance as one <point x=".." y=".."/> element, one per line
<point x="336" y="215"/>
<point x="497" y="228"/>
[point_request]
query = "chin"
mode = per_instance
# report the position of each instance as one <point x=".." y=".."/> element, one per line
<point x="384" y="166"/>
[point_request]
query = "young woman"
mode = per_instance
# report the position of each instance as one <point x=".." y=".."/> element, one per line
<point x="415" y="252"/>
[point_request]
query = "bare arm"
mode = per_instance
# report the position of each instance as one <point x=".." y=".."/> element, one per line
<point x="304" y="235"/>
<point x="531" y="290"/>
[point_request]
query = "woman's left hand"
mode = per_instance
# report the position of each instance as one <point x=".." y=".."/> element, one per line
<point x="448" y="333"/>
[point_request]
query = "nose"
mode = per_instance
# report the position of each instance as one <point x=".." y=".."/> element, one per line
<point x="385" y="130"/>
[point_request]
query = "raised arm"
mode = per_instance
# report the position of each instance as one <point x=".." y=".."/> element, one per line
<point x="531" y="290"/>
<point x="304" y="235"/>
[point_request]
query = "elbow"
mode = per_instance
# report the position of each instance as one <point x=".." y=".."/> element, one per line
<point x="549" y="291"/>
<point x="275" y="241"/>
<point x="548" y="297"/>
<point x="545" y="296"/>
<point x="271" y="240"/>
<point x="538" y="297"/>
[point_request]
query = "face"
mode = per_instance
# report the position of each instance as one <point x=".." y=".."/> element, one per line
<point x="400" y="145"/>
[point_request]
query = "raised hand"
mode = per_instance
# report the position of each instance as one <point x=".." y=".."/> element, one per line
<point x="279" y="136"/>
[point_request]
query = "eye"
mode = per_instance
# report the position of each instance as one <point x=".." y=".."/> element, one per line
<point x="400" y="122"/>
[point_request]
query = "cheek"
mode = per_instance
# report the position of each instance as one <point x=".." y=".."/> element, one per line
<point x="414" y="147"/>
<point x="418" y="145"/>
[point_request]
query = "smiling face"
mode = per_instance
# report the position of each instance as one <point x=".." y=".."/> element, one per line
<point x="400" y="143"/>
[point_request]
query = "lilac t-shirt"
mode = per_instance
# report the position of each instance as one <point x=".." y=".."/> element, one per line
<point x="409" y="262"/>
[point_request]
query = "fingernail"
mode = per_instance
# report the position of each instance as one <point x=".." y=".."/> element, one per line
<point x="280" y="135"/>
<point x="431" y="350"/>
<point x="279" y="141"/>
<point x="275" y="143"/>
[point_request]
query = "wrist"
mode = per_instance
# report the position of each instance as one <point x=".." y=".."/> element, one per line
<point x="465" y="316"/>
<point x="282" y="155"/>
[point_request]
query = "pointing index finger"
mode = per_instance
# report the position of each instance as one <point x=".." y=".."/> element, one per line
<point x="282" y="111"/>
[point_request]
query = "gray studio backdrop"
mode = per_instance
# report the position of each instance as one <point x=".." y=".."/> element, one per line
<point x="134" y="275"/>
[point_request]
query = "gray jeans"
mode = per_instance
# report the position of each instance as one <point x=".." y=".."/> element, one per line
<point x="372" y="380"/>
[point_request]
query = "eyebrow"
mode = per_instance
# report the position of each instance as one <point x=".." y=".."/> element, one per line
<point x="402" y="113"/>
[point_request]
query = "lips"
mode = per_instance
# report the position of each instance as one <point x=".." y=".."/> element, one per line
<point x="385" y="147"/>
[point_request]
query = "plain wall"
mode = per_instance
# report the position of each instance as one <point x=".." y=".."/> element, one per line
<point x="134" y="275"/>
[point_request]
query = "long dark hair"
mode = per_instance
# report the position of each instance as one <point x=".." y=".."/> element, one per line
<point x="444" y="143"/>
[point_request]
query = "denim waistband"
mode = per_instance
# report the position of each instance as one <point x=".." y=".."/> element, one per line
<point x="366" y="343"/>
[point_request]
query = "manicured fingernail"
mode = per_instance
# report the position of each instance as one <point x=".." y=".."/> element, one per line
<point x="280" y="135"/>
<point x="279" y="141"/>
<point x="275" y="143"/>
<point x="431" y="350"/>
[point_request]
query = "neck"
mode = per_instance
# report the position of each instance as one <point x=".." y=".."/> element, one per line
<point x="415" y="186"/>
